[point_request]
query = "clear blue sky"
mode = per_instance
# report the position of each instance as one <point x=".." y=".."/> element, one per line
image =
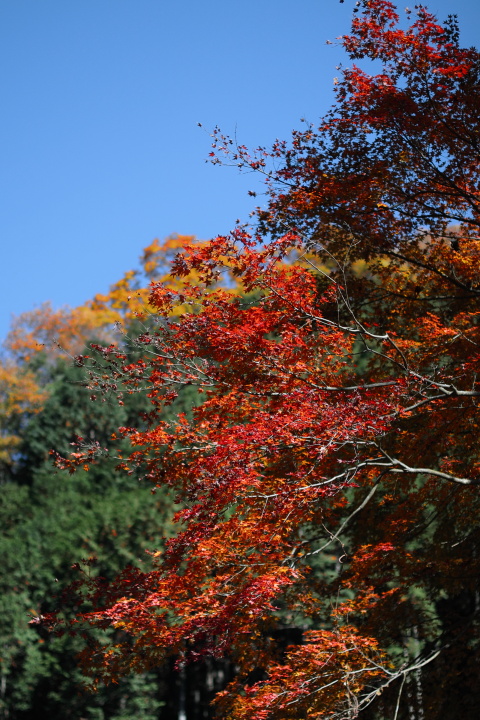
<point x="100" y="149"/>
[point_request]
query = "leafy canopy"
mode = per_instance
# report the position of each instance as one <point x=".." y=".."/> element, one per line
<point x="328" y="481"/>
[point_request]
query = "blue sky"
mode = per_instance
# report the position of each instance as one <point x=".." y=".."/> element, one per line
<point x="99" y="144"/>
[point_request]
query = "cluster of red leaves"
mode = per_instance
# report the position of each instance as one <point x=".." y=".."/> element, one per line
<point x="340" y="404"/>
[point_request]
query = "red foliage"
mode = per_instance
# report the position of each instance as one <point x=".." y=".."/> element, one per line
<point x="340" y="419"/>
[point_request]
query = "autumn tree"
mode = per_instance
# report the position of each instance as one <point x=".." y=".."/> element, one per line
<point x="328" y="538"/>
<point x="48" y="521"/>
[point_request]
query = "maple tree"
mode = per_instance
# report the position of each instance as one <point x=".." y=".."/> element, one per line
<point x="69" y="329"/>
<point x="328" y="481"/>
<point x="50" y="334"/>
<point x="18" y="391"/>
